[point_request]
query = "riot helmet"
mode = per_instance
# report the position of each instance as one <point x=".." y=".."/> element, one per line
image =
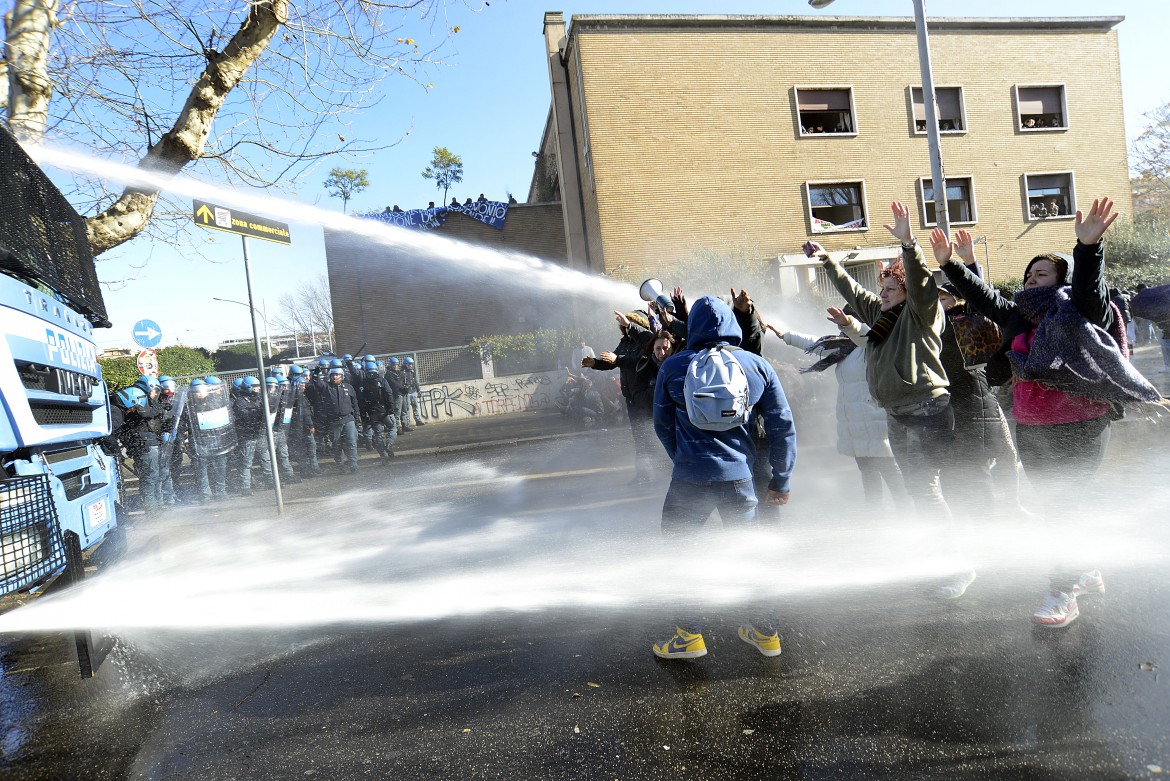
<point x="148" y="385"/>
<point x="211" y="379"/>
<point x="129" y="398"/>
<point x="335" y="364"/>
<point x="347" y="357"/>
<point x="393" y="362"/>
<point x="370" y="358"/>
<point x="408" y="361"/>
<point x="251" y="385"/>
<point x="336" y="372"/>
<point x="198" y="388"/>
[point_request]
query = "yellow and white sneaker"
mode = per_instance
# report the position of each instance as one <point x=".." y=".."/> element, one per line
<point x="768" y="645"/>
<point x="684" y="645"/>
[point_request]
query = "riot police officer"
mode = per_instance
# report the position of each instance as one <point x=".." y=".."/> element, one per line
<point x="249" y="419"/>
<point x="280" y="414"/>
<point x="340" y="413"/>
<point x="144" y="424"/>
<point x="377" y="400"/>
<point x="205" y="422"/>
<point x="410" y="379"/>
<point x="302" y="434"/>
<point x="170" y="458"/>
<point x="397" y="381"/>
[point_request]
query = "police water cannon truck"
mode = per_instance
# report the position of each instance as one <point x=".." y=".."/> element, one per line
<point x="58" y="489"/>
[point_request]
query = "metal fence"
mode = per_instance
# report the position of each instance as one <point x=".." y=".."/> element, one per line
<point x="440" y="364"/>
<point x="866" y="275"/>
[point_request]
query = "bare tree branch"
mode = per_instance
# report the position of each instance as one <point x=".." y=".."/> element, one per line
<point x="264" y="105"/>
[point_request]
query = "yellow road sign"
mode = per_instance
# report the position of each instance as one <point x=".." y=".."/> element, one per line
<point x="208" y="215"/>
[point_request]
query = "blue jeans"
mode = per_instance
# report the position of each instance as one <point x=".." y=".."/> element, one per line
<point x="1165" y="352"/>
<point x="384" y="433"/>
<point x="305" y="452"/>
<point x="146" y="465"/>
<point x="412" y="399"/>
<point x="343" y="432"/>
<point x="686" y="509"/>
<point x="213" y="476"/>
<point x="402" y="412"/>
<point x="248" y="452"/>
<point x="280" y="439"/>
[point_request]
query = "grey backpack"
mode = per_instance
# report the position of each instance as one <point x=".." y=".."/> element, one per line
<point x="716" y="389"/>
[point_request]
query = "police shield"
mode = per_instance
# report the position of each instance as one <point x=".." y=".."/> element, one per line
<point x="208" y="412"/>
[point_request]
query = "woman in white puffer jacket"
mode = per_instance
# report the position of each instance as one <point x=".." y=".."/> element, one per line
<point x="861" y="423"/>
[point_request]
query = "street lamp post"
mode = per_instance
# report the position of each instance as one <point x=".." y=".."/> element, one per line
<point x="267" y="338"/>
<point x="937" y="177"/>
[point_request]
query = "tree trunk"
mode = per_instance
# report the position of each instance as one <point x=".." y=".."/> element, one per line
<point x="183" y="143"/>
<point x="28" y="35"/>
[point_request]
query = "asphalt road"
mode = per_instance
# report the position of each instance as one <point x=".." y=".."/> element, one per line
<point x="447" y="648"/>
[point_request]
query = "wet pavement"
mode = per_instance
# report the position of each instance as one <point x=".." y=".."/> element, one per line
<point x="882" y="682"/>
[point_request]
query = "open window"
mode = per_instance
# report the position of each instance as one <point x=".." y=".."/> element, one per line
<point x="960" y="201"/>
<point x="826" y="111"/>
<point x="836" y="206"/>
<point x="952" y="117"/>
<point x="1050" y="195"/>
<point x="1041" y="107"/>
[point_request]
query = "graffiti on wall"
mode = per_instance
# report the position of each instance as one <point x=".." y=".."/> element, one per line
<point x="496" y="396"/>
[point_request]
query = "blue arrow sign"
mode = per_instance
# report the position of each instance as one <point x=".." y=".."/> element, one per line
<point x="147" y="333"/>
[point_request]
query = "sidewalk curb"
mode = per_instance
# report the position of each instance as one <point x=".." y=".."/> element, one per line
<point x="485" y="444"/>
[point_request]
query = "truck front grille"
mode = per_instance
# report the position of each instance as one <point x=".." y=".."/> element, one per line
<point x="30" y="536"/>
<point x="54" y="380"/>
<point x="54" y="415"/>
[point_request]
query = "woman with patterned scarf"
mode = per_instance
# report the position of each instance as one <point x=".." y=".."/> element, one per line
<point x="1063" y="348"/>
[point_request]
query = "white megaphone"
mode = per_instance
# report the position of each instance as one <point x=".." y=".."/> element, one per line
<point x="650" y="289"/>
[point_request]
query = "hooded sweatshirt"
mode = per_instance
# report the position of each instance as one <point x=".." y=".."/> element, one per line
<point x="700" y="455"/>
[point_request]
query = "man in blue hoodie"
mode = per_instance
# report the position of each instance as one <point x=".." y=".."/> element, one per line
<point x="713" y="469"/>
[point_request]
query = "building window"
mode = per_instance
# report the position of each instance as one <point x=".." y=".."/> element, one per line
<point x="837" y="206"/>
<point x="826" y="111"/>
<point x="1050" y="195"/>
<point x="951" y="116"/>
<point x="1041" y="107"/>
<point x="960" y="201"/>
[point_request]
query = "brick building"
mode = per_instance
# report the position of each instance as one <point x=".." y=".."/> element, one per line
<point x="392" y="299"/>
<point x="673" y="134"/>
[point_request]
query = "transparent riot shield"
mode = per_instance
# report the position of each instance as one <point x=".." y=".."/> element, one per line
<point x="208" y="410"/>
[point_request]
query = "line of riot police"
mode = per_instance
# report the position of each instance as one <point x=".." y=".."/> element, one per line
<point x="336" y="404"/>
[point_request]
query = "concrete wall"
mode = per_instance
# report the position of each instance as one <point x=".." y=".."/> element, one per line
<point x="496" y="396"/>
<point x="395" y="302"/>
<point x="695" y="144"/>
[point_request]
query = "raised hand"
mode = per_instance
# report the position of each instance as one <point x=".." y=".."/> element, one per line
<point x="622" y="320"/>
<point x="680" y="301"/>
<point x="814" y="250"/>
<point x="941" y="246"/>
<point x="1090" y="229"/>
<point x="901" y="225"/>
<point x="774" y="330"/>
<point x="837" y="316"/>
<point x="741" y="301"/>
<point x="965" y="247"/>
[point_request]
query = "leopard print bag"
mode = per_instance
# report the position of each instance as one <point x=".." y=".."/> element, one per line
<point x="979" y="338"/>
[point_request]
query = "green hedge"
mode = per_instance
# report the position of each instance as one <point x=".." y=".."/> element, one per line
<point x="517" y="347"/>
<point x="176" y="361"/>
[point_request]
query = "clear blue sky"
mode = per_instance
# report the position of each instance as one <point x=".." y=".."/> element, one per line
<point x="488" y="104"/>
